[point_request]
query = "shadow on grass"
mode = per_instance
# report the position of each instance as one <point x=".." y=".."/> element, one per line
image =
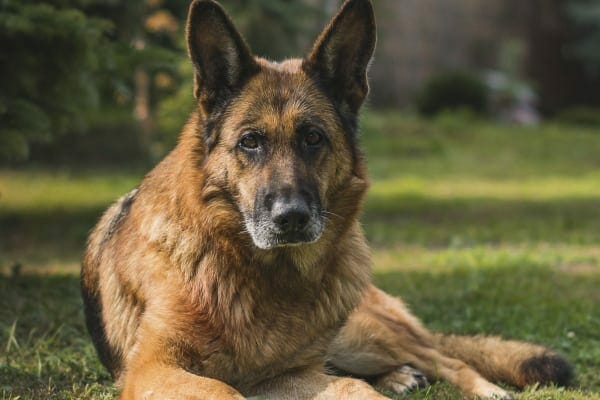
<point x="432" y="222"/>
<point x="46" y="236"/>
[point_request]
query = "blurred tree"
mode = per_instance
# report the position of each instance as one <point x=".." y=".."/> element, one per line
<point x="116" y="65"/>
<point x="146" y="43"/>
<point x="61" y="59"/>
<point x="49" y="56"/>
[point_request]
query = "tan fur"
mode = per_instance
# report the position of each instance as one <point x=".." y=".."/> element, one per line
<point x="181" y="304"/>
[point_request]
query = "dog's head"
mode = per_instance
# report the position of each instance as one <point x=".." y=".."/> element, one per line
<point x="279" y="139"/>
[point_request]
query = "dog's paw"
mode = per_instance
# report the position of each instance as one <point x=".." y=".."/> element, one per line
<point x="489" y="391"/>
<point x="402" y="380"/>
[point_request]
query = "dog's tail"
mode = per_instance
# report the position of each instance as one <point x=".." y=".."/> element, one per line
<point x="513" y="362"/>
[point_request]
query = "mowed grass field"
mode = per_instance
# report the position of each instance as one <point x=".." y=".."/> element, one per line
<point x="480" y="228"/>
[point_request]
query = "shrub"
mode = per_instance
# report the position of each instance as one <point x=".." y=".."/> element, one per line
<point x="453" y="90"/>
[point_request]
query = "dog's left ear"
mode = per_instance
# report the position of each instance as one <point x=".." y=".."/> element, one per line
<point x="341" y="55"/>
<point x="222" y="60"/>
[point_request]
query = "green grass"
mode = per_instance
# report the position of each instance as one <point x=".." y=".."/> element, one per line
<point x="480" y="228"/>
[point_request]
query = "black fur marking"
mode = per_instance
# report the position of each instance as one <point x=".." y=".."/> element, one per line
<point x="93" y="319"/>
<point x="222" y="194"/>
<point x="123" y="213"/>
<point x="211" y="129"/>
<point x="547" y="368"/>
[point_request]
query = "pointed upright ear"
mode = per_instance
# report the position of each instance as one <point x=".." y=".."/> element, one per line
<point x="221" y="58"/>
<point x="341" y="55"/>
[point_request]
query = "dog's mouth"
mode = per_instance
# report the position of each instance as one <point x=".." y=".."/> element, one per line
<point x="283" y="240"/>
<point x="267" y="235"/>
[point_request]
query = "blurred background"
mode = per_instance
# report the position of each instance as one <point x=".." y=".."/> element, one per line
<point x="85" y="72"/>
<point x="482" y="133"/>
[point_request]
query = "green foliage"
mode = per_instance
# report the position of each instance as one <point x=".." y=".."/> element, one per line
<point x="60" y="60"/>
<point x="452" y="90"/>
<point x="48" y="58"/>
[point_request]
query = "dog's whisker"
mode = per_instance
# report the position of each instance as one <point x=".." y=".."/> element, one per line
<point x="331" y="213"/>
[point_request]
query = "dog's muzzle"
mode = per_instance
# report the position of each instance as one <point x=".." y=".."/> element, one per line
<point x="284" y="220"/>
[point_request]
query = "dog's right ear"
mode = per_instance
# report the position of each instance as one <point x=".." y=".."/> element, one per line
<point x="221" y="58"/>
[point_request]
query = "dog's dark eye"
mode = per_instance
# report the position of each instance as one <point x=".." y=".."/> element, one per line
<point x="313" y="138"/>
<point x="250" y="141"/>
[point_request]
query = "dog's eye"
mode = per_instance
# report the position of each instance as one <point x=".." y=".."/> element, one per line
<point x="313" y="138"/>
<point x="250" y="141"/>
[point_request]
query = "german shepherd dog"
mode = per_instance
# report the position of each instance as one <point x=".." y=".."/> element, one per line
<point x="238" y="266"/>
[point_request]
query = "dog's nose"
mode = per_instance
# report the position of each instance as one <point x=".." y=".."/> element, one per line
<point x="291" y="216"/>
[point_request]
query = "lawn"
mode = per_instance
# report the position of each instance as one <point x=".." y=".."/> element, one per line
<point x="480" y="228"/>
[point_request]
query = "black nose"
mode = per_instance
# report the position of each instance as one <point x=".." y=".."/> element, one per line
<point x="291" y="216"/>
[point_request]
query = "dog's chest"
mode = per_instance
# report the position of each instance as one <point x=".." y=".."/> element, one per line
<point x="271" y="327"/>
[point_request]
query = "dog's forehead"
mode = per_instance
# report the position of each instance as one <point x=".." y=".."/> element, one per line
<point x="280" y="97"/>
<point x="292" y="65"/>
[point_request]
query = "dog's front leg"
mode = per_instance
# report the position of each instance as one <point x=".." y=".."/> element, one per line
<point x="149" y="379"/>
<point x="315" y="385"/>
<point x="381" y="336"/>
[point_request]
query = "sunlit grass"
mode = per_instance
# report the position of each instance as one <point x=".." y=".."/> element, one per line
<point x="43" y="190"/>
<point x="587" y="185"/>
<point x="575" y="259"/>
